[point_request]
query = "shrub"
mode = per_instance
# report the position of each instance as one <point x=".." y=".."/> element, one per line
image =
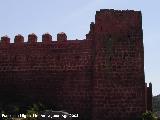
<point x="148" y="116"/>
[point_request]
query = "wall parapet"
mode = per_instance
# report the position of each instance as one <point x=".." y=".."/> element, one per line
<point x="18" y="39"/>
<point x="5" y="40"/>
<point x="33" y="39"/>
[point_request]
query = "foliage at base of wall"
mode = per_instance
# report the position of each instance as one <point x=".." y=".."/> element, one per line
<point x="149" y="116"/>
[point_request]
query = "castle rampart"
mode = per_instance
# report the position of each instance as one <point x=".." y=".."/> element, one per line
<point x="100" y="77"/>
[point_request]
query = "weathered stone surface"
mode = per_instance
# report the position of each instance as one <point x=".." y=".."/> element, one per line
<point x="156" y="105"/>
<point x="100" y="77"/>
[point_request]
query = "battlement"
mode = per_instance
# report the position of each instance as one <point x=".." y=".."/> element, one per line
<point x="32" y="39"/>
<point x="107" y="21"/>
<point x="5" y="40"/>
<point x="18" y="39"/>
<point x="47" y="38"/>
<point x="115" y="23"/>
<point x="117" y="11"/>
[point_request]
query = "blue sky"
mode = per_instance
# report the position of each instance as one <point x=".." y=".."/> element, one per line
<point x="74" y="16"/>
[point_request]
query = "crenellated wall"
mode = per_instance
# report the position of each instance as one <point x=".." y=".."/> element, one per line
<point x="100" y="77"/>
<point x="53" y="72"/>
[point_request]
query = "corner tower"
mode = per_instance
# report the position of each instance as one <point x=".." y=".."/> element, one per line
<point x="119" y="84"/>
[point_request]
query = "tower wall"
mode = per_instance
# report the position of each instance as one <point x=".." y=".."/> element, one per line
<point x="119" y="85"/>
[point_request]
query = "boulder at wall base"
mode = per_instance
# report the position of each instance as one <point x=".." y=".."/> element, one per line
<point x="54" y="115"/>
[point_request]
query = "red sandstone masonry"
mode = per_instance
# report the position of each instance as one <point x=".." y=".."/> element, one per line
<point x="100" y="77"/>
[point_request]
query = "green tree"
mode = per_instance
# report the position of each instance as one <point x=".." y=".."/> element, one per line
<point x="148" y="116"/>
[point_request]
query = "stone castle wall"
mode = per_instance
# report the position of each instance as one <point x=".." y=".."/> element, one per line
<point x="100" y="77"/>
